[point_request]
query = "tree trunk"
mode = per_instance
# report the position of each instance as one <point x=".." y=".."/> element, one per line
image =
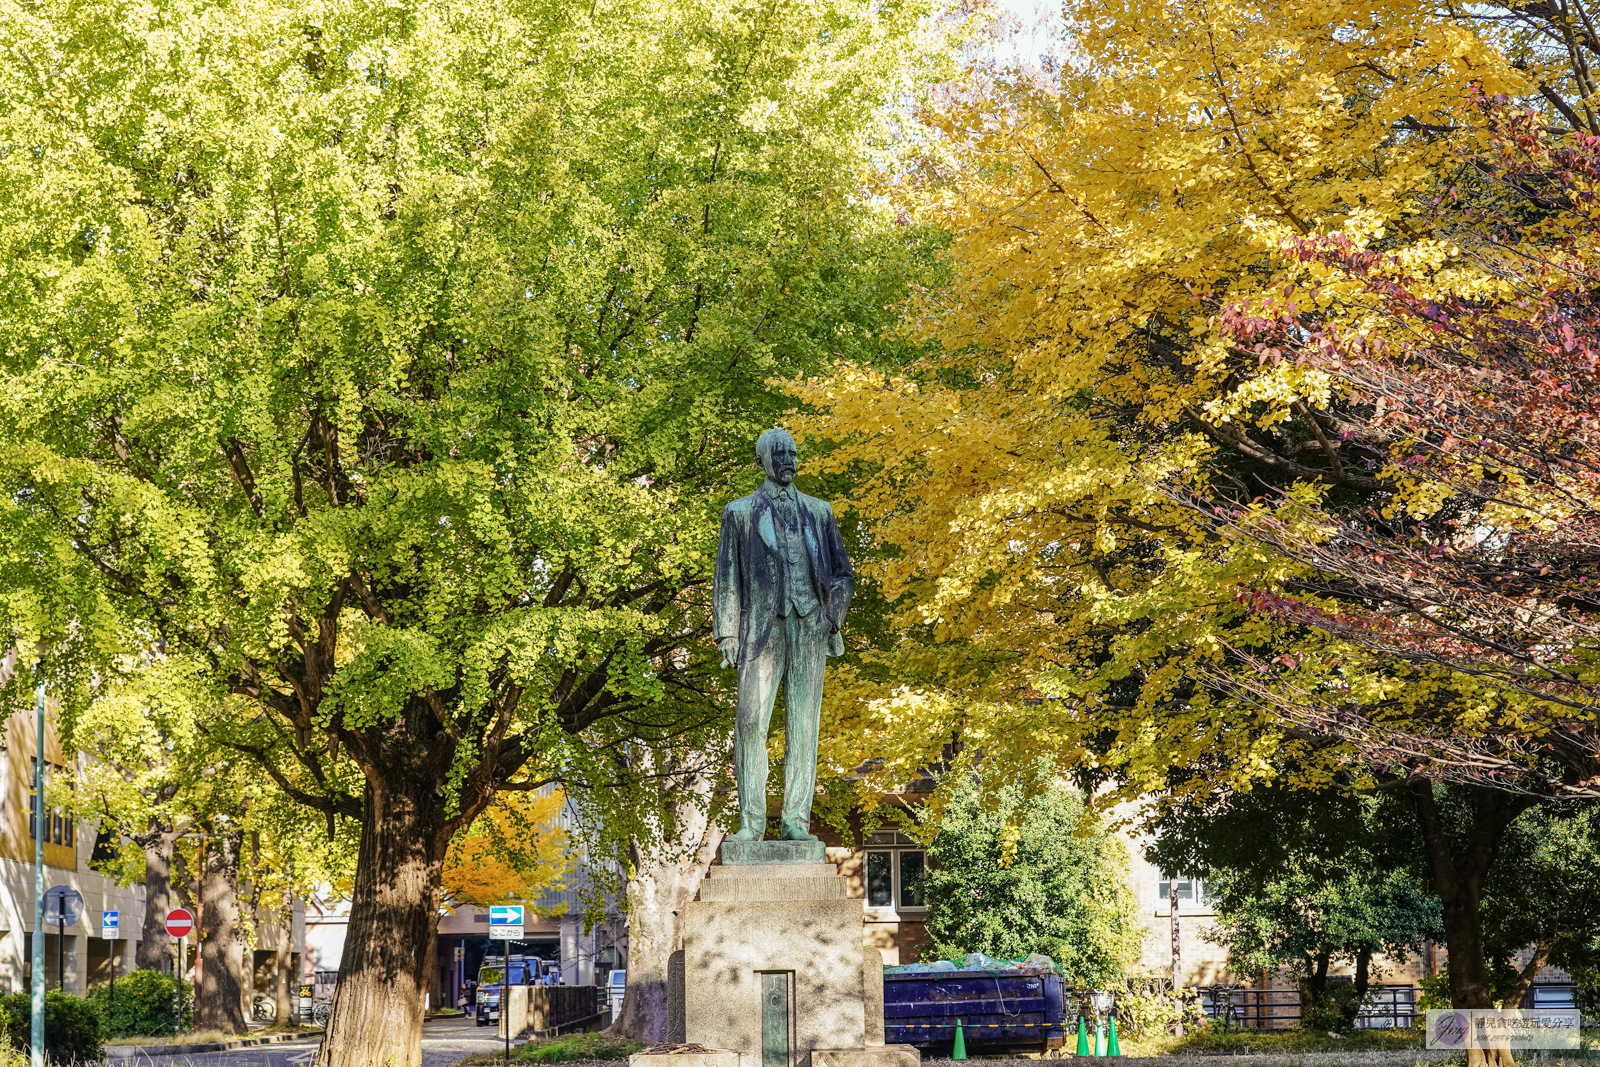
<point x="283" y="1013"/>
<point x="1524" y="982"/>
<point x="1458" y="873"/>
<point x="247" y="979"/>
<point x="1363" y="972"/>
<point x="155" y="946"/>
<point x="1177" y="953"/>
<point x="1318" y="982"/>
<point x="394" y="916"/>
<point x="1351" y="1009"/>
<point x="217" y="1007"/>
<point x="665" y="880"/>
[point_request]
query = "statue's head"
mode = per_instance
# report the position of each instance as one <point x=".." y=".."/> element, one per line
<point x="778" y="456"/>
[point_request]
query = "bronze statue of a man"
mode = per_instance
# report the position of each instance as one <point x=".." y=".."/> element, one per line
<point x="782" y="586"/>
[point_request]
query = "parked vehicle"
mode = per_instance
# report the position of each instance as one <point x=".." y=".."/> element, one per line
<point x="525" y="970"/>
<point x="999" y="1012"/>
<point x="616" y="985"/>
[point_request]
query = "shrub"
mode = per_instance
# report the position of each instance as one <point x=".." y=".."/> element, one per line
<point x="73" y="1031"/>
<point x="1012" y="874"/>
<point x="1332" y="1008"/>
<point x="143" y="1006"/>
<point x="1146" y="1007"/>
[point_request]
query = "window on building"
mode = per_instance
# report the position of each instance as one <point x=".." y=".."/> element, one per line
<point x="1191" y="891"/>
<point x="895" y="869"/>
<point x="912" y="869"/>
<point x="59" y="828"/>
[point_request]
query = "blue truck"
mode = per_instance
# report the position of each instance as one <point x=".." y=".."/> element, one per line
<point x="1000" y="1011"/>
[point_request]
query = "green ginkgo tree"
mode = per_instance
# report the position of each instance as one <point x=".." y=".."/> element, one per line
<point x="387" y="364"/>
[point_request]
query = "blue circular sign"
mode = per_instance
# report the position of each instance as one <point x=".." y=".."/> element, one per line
<point x="63" y="905"/>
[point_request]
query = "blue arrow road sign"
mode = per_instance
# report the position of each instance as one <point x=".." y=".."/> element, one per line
<point x="505" y="922"/>
<point x="108" y="924"/>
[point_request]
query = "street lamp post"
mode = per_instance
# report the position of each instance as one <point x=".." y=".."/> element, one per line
<point x="36" y="1031"/>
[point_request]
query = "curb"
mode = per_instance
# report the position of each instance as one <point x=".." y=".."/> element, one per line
<point x="128" y="1052"/>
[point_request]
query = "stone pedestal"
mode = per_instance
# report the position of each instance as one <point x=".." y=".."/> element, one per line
<point x="783" y="929"/>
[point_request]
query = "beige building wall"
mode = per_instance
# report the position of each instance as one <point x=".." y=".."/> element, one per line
<point x="87" y="956"/>
<point x="1202" y="961"/>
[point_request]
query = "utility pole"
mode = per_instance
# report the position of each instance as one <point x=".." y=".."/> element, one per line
<point x="36" y="1030"/>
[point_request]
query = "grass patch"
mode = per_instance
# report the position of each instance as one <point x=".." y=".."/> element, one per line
<point x="1387" y="1040"/>
<point x="568" y="1048"/>
<point x="193" y="1037"/>
<point x="207" y="1037"/>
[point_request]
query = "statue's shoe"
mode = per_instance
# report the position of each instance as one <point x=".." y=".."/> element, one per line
<point x="796" y="832"/>
<point x="748" y="833"/>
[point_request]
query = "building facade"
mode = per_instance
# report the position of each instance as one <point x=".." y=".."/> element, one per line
<point x="90" y="951"/>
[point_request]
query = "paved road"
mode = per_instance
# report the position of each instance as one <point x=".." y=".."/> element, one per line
<point x="443" y="1042"/>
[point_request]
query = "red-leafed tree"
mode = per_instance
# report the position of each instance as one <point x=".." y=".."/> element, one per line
<point x="1467" y="384"/>
<point x="1480" y="405"/>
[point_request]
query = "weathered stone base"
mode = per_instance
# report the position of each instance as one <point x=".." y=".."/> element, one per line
<point x="797" y="918"/>
<point x="686" y="1059"/>
<point x="872" y="1056"/>
<point x="746" y="853"/>
<point x="727" y="944"/>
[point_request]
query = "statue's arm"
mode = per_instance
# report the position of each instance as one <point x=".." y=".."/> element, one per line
<point x="725" y="585"/>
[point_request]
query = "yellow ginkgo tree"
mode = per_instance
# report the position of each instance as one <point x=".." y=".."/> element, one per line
<point x="1018" y="476"/>
<point x="514" y="851"/>
<point x="1030" y="483"/>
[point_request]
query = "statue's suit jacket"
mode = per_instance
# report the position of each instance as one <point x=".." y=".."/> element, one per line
<point x="749" y="578"/>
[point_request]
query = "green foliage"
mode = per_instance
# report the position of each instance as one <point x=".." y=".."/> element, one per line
<point x="1147" y="1009"/>
<point x="1328" y="1007"/>
<point x="1303" y="880"/>
<point x="143" y="1005"/>
<point x="1308" y="915"/>
<point x="1541" y="891"/>
<point x="386" y="368"/>
<point x="1011" y="874"/>
<point x="1435" y="990"/>
<point x="579" y="1048"/>
<point x="73" y="1029"/>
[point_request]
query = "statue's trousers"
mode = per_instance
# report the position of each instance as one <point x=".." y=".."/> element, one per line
<point x="796" y="659"/>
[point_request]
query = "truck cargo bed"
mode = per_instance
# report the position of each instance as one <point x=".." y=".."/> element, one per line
<point x="997" y="1011"/>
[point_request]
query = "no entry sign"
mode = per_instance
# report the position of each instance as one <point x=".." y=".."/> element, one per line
<point x="179" y="922"/>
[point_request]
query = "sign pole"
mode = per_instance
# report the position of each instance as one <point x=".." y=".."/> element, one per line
<point x="36" y="986"/>
<point x="505" y="1000"/>
<point x="110" y="930"/>
<point x="179" y="923"/>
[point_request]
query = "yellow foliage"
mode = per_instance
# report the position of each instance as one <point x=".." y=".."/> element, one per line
<point x="1049" y="598"/>
<point x="514" y="851"/>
